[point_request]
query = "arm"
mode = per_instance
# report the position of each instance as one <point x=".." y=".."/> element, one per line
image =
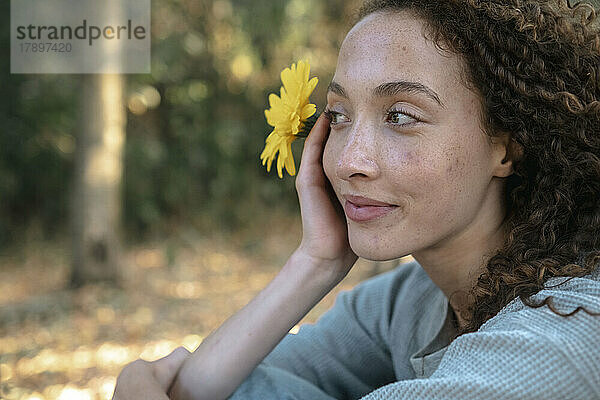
<point x="227" y="356"/>
<point x="344" y="355"/>
<point x="322" y="260"/>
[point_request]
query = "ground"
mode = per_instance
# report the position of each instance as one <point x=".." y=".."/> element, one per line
<point x="58" y="343"/>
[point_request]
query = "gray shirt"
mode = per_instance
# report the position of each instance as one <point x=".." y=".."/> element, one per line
<point x="391" y="338"/>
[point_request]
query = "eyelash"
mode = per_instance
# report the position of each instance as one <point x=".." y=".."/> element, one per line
<point x="330" y="114"/>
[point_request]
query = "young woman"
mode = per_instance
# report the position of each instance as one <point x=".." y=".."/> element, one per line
<point x="465" y="133"/>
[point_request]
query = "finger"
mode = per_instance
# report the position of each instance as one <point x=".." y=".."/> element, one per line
<point x="315" y="142"/>
<point x="136" y="381"/>
<point x="166" y="368"/>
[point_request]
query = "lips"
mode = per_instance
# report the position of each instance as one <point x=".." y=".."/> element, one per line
<point x="362" y="209"/>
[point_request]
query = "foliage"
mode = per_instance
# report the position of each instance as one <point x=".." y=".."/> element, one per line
<point x="194" y="154"/>
<point x="58" y="343"/>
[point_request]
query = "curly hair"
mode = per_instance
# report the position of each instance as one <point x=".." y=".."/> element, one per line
<point x="536" y="66"/>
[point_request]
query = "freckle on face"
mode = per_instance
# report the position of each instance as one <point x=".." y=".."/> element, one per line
<point x="430" y="172"/>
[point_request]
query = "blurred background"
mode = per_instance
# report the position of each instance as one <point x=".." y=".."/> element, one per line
<point x="135" y="215"/>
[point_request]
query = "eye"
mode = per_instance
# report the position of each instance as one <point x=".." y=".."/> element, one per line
<point x="337" y="117"/>
<point x="400" y="117"/>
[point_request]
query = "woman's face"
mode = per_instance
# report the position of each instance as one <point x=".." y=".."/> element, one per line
<point x="406" y="131"/>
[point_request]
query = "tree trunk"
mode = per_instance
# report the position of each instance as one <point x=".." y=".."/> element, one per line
<point x="96" y="202"/>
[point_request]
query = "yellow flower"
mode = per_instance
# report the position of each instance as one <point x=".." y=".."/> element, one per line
<point x="288" y="114"/>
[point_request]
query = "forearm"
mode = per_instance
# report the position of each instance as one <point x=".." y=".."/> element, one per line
<point x="229" y="354"/>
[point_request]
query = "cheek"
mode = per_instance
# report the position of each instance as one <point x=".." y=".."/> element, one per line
<point x="414" y="166"/>
<point x="451" y="183"/>
<point x="447" y="165"/>
<point x="432" y="176"/>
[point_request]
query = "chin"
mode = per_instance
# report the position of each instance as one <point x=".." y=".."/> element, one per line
<point x="376" y="251"/>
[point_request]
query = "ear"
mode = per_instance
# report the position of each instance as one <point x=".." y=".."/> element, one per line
<point x="506" y="152"/>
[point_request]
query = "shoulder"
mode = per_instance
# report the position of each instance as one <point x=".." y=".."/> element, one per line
<point x="522" y="352"/>
<point x="406" y="284"/>
<point x="527" y="353"/>
<point x="574" y="302"/>
<point x="566" y="295"/>
<point x="568" y="345"/>
<point x="375" y="301"/>
<point x="402" y="306"/>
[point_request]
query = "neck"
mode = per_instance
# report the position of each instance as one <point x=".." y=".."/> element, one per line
<point x="455" y="263"/>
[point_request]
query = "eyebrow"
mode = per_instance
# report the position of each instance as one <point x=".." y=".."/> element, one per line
<point x="391" y="89"/>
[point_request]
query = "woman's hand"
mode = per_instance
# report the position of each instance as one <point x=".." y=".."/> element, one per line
<point x="230" y="353"/>
<point x="325" y="231"/>
<point x="149" y="380"/>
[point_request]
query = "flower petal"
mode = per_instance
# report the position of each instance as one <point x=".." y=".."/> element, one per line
<point x="310" y="86"/>
<point x="289" y="161"/>
<point x="303" y="70"/>
<point x="289" y="80"/>
<point x="308" y="111"/>
<point x="287" y="114"/>
<point x="280" y="165"/>
<point x="274" y="100"/>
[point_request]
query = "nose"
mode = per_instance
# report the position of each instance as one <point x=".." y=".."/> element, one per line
<point x="358" y="159"/>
